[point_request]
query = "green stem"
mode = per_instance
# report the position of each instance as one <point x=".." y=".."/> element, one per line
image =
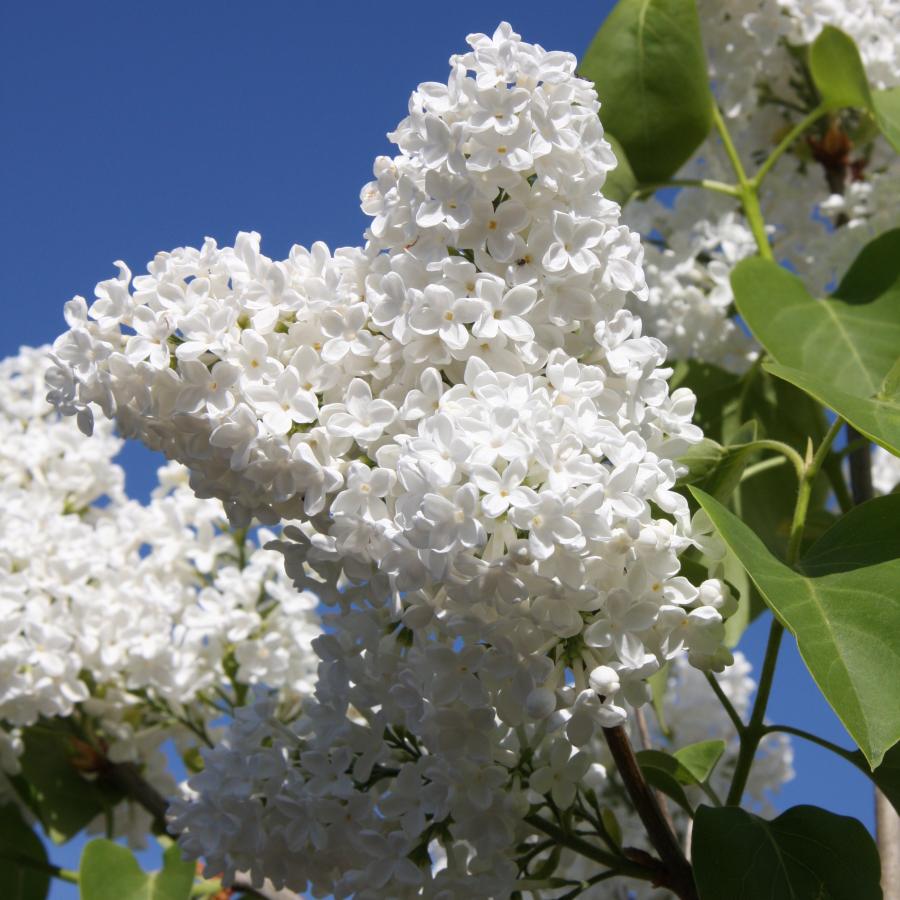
<point x="752" y="733"/>
<point x="805" y="491"/>
<point x="788" y="452"/>
<point x="764" y="466"/>
<point x="726" y="703"/>
<point x="719" y="187"/>
<point x="787" y="142"/>
<point x="746" y="187"/>
<point x="581" y="888"/>
<point x="815" y="739"/>
<point x="755" y="220"/>
<point x="39" y="865"/>
<point x="755" y="730"/>
<point x="578" y="845"/>
<point x="728" y="143"/>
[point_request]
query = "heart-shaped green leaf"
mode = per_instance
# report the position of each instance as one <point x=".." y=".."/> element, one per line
<point x="111" y="872"/>
<point x="838" y="350"/>
<point x="805" y="852"/>
<point x="846" y="621"/>
<point x="649" y="68"/>
<point x="17" y="840"/>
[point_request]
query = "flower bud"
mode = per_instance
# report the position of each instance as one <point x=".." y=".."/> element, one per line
<point x="604" y="680"/>
<point x="540" y="703"/>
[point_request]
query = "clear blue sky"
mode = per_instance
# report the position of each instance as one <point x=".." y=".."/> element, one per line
<point x="127" y="128"/>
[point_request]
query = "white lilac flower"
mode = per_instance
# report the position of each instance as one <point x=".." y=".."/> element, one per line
<point x="127" y="613"/>
<point x="487" y="535"/>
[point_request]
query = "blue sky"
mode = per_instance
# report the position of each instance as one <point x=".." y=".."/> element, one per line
<point x="128" y="128"/>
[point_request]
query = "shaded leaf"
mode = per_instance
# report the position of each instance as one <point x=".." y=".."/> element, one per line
<point x="886" y="776"/>
<point x="660" y="770"/>
<point x="17" y="839"/>
<point x="52" y="787"/>
<point x="718" y="394"/>
<point x="805" y="852"/>
<point x="867" y="535"/>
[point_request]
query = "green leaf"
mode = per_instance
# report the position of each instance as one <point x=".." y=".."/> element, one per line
<point x="837" y="70"/>
<point x="868" y="535"/>
<point x="887" y="114"/>
<point x="698" y="760"/>
<point x="649" y="68"/>
<point x="886" y="776"/>
<point x="874" y="271"/>
<point x="847" y="625"/>
<point x="890" y="386"/>
<point x="876" y="418"/>
<point x="839" y="75"/>
<point x="53" y="789"/>
<point x="621" y="183"/>
<point x="20" y="882"/>
<point x="727" y="404"/>
<point x="658" y="682"/>
<point x="750" y="604"/>
<point x="718" y="469"/>
<point x="838" y="350"/>
<point x="805" y="852"/>
<point x="110" y="871"/>
<point x="660" y="769"/>
<point x="611" y="824"/>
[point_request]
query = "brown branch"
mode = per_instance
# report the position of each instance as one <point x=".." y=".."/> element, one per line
<point x="680" y="878"/>
<point x="644" y="733"/>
